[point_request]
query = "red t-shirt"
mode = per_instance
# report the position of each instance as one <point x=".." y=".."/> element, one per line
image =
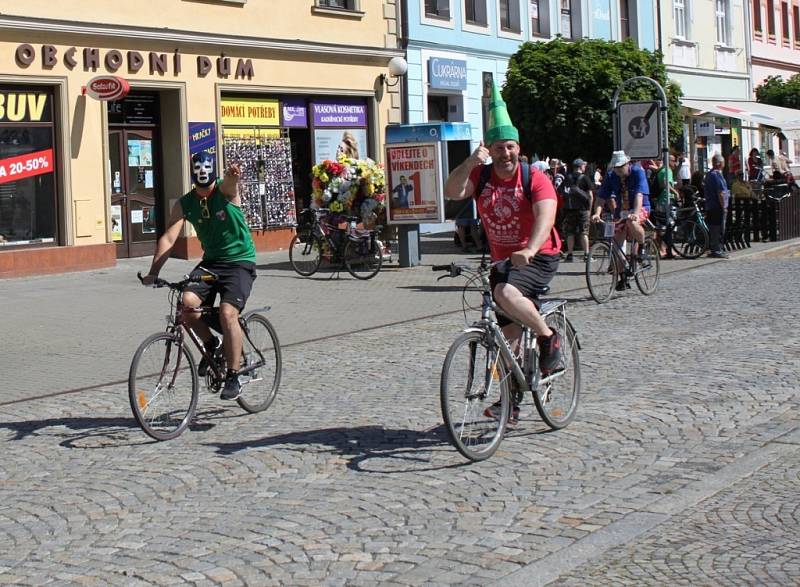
<point x="507" y="215"/>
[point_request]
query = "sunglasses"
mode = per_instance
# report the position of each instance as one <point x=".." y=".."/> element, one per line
<point x="204" y="208"/>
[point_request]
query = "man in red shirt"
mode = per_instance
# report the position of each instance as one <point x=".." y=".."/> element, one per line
<point x="517" y="229"/>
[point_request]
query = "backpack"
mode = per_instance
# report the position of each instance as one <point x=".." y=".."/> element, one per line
<point x="652" y="183"/>
<point x="486" y="175"/>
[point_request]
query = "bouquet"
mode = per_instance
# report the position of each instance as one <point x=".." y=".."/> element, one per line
<point x="350" y="186"/>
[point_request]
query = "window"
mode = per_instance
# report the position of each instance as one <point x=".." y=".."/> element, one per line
<point x="437" y="8"/>
<point x="771" y="18"/>
<point x="343" y="4"/>
<point x="721" y="20"/>
<point x="475" y="12"/>
<point x="566" y="19"/>
<point x="757" y="16"/>
<point x="679" y="9"/>
<point x="509" y="16"/>
<point x="796" y="14"/>
<point x="624" y="20"/>
<point x="785" y="22"/>
<point x="536" y="21"/>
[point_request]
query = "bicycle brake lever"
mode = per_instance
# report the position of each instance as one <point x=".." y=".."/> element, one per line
<point x="442" y="277"/>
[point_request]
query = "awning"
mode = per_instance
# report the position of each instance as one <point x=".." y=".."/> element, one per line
<point x="785" y="119"/>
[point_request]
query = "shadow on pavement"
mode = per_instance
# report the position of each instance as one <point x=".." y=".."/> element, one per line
<point x="361" y="445"/>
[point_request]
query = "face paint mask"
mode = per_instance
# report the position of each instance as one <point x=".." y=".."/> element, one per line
<point x="203" y="169"/>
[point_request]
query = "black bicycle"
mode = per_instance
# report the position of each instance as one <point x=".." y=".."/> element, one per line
<point x="163" y="380"/>
<point x="321" y="236"/>
<point x="687" y="228"/>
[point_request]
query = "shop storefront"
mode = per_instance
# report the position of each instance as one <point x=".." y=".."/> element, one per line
<point x="85" y="181"/>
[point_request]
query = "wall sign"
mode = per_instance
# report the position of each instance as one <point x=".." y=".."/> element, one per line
<point x="249" y="112"/>
<point x="447" y="74"/>
<point x="294" y="113"/>
<point x="106" y="88"/>
<point x="92" y="59"/>
<point x="31" y="106"/>
<point x="339" y="113"/>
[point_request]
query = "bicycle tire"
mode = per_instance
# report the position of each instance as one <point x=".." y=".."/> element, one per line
<point x="557" y="400"/>
<point x="305" y="253"/>
<point x="159" y="371"/>
<point x="260" y="387"/>
<point x="474" y="377"/>
<point x="363" y="258"/>
<point x="690" y="239"/>
<point x="601" y="272"/>
<point x="648" y="270"/>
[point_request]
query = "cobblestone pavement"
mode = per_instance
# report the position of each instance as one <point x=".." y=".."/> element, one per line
<point x="681" y="468"/>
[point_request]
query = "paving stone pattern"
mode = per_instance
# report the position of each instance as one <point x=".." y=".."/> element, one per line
<point x="681" y="468"/>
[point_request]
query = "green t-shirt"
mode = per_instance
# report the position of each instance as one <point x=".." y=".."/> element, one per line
<point x="224" y="234"/>
<point x="663" y="195"/>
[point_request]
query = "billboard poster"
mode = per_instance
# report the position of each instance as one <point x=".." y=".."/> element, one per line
<point x="329" y="142"/>
<point x="415" y="190"/>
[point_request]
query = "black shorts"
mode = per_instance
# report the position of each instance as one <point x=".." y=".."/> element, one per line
<point x="528" y="279"/>
<point x="234" y="284"/>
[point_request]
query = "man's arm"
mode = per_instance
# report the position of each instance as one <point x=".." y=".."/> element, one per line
<point x="230" y="184"/>
<point x="165" y="243"/>
<point x="458" y="185"/>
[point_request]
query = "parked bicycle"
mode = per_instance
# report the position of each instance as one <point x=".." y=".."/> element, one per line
<point x="608" y="267"/>
<point x="163" y="383"/>
<point x="689" y="231"/>
<point x="319" y="236"/>
<point x="480" y="369"/>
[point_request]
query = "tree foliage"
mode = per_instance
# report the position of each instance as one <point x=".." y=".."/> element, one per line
<point x="777" y="92"/>
<point x="559" y="94"/>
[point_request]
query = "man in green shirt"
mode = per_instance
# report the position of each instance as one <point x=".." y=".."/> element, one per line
<point x="666" y="187"/>
<point x="213" y="208"/>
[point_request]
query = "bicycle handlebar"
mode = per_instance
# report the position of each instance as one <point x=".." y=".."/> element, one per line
<point x="178" y="285"/>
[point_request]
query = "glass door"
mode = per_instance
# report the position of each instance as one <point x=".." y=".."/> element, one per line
<point x="134" y="191"/>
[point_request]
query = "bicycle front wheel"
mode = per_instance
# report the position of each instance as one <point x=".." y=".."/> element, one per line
<point x="305" y="253"/>
<point x="648" y="268"/>
<point x="689" y="239"/>
<point x="363" y="258"/>
<point x="557" y="396"/>
<point x="162" y="386"/>
<point x="601" y="272"/>
<point x="260" y="347"/>
<point x="474" y="395"/>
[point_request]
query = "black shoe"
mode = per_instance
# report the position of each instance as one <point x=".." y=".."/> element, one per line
<point x="549" y="352"/>
<point x="233" y="388"/>
<point x="623" y="285"/>
<point x="211" y="349"/>
<point x="568" y="258"/>
<point x="719" y="255"/>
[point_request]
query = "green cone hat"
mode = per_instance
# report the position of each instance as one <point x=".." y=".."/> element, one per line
<point x="500" y="127"/>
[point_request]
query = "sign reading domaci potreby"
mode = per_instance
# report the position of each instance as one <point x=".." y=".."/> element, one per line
<point x="447" y="74"/>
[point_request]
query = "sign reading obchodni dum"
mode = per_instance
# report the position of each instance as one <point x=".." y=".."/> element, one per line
<point x="447" y="74"/>
<point x="91" y="59"/>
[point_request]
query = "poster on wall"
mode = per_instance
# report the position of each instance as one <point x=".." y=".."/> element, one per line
<point x="329" y="142"/>
<point x="116" y="222"/>
<point x="414" y="191"/>
<point x="202" y="137"/>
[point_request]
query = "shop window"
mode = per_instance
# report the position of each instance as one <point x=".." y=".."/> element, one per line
<point x="341" y="4"/>
<point x="438" y="109"/>
<point x="796" y="19"/>
<point x="475" y="12"/>
<point x="757" y="27"/>
<point x="566" y="19"/>
<point x="509" y="16"/>
<point x="28" y="204"/>
<point x="437" y="9"/>
<point x="540" y="21"/>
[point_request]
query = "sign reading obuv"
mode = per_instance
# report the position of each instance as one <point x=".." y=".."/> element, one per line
<point x="107" y="88"/>
<point x="22" y="166"/>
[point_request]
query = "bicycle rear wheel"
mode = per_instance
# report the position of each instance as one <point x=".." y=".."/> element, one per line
<point x="260" y="346"/>
<point x="474" y="379"/>
<point x="648" y="268"/>
<point x="305" y="253"/>
<point x="689" y="239"/>
<point x="557" y="397"/>
<point x="601" y="272"/>
<point x="162" y="386"/>
<point x="363" y="258"/>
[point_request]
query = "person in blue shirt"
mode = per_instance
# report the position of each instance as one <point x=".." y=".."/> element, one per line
<point x="715" y="190"/>
<point x="626" y="191"/>
<point x="401" y="192"/>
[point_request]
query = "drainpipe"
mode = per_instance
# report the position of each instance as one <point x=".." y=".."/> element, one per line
<point x="404" y="46"/>
<point x="748" y="54"/>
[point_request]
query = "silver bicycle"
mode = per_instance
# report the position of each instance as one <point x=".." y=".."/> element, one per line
<point x="482" y="376"/>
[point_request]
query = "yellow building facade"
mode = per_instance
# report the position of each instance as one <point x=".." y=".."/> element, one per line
<point x="87" y="176"/>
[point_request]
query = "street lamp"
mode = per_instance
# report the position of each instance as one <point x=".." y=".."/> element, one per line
<point x="397" y="69"/>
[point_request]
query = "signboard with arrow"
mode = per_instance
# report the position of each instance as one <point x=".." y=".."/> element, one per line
<point x="639" y="129"/>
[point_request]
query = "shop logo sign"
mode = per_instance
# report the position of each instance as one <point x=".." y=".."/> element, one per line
<point x="106" y="88"/>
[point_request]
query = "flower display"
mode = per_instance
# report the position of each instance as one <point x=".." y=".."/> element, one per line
<point x="349" y="186"/>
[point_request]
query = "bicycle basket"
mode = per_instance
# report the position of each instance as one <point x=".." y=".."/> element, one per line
<point x="306" y="219"/>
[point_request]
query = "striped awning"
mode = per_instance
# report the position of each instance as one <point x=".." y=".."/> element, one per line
<point x="787" y="120"/>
